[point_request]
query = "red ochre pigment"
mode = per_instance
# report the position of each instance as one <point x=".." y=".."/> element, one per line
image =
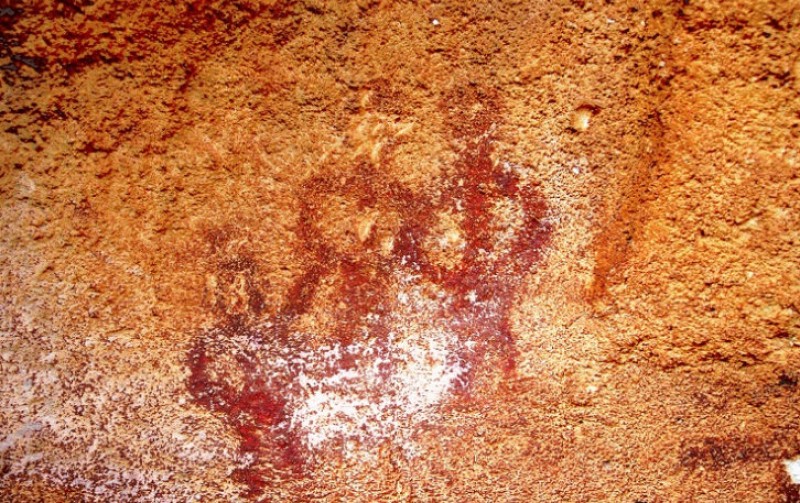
<point x="233" y="369"/>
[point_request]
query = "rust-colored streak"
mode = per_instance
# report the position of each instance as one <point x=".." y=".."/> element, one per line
<point x="352" y="273"/>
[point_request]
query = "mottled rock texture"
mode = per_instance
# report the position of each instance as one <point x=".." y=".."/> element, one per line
<point x="399" y="251"/>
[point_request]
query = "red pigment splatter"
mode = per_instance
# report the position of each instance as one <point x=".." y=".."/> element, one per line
<point x="481" y="285"/>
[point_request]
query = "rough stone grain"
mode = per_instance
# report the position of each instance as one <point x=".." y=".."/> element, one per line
<point x="294" y="250"/>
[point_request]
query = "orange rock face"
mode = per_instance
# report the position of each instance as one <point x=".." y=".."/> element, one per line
<point x="393" y="317"/>
<point x="386" y="251"/>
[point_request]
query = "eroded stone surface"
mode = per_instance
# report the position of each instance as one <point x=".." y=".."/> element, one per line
<point x="385" y="251"/>
<point x="380" y="331"/>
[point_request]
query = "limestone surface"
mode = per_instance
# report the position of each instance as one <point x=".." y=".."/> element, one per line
<point x="389" y="251"/>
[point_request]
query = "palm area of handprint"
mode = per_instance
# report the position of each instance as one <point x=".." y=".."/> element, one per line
<point x="422" y="289"/>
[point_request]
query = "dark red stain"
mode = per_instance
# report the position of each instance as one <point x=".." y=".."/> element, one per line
<point x="79" y="46"/>
<point x="363" y="277"/>
<point x="721" y="452"/>
<point x="11" y="41"/>
<point x="788" y="491"/>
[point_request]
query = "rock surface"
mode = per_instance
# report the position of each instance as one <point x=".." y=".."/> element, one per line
<point x="276" y="250"/>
